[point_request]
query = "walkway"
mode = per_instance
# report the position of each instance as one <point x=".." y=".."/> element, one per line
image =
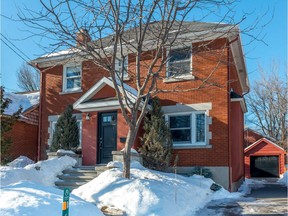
<point x="271" y="199"/>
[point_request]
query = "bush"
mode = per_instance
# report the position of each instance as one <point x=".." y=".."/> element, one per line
<point x="66" y="134"/>
<point x="156" y="141"/>
<point x="202" y="171"/>
<point x="7" y="123"/>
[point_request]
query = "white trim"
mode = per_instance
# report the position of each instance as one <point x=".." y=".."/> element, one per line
<point x="192" y="113"/>
<point x="98" y="86"/>
<point x="238" y="56"/>
<point x="242" y="103"/>
<point x="101" y="105"/>
<point x="179" y="107"/>
<point x="117" y="68"/>
<point x="181" y="77"/>
<point x="259" y="141"/>
<point x="64" y="77"/>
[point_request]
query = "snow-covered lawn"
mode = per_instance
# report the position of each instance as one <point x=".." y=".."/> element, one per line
<point x="43" y="172"/>
<point x="284" y="179"/>
<point x="30" y="191"/>
<point x="150" y="192"/>
<point x="32" y="199"/>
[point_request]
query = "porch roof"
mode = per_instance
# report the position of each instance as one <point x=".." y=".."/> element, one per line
<point x="86" y="103"/>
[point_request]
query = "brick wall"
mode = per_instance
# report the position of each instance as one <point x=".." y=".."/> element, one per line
<point x="237" y="149"/>
<point x="25" y="140"/>
<point x="209" y="62"/>
<point x="32" y="115"/>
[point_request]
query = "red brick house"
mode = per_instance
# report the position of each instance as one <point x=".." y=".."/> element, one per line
<point x="206" y="125"/>
<point x="24" y="133"/>
<point x="264" y="159"/>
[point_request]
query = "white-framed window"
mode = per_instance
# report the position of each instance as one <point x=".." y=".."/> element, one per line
<point x="179" y="62"/>
<point x="72" y="76"/>
<point x="188" y="129"/>
<point x="119" y="67"/>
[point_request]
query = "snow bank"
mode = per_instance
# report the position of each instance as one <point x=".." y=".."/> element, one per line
<point x="284" y="179"/>
<point x="43" y="172"/>
<point x="20" y="162"/>
<point x="250" y="184"/>
<point x="150" y="192"/>
<point x="27" y="198"/>
<point x="62" y="151"/>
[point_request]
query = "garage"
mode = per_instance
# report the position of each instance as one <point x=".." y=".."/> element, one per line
<point x="264" y="166"/>
<point x="264" y="159"/>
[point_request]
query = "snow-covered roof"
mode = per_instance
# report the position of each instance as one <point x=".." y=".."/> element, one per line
<point x="26" y="100"/>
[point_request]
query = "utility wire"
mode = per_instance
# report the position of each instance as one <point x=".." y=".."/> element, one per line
<point x="15" y="46"/>
<point x="14" y="51"/>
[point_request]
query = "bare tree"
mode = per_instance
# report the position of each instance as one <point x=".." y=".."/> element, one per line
<point x="267" y="104"/>
<point x="28" y="78"/>
<point x="112" y="29"/>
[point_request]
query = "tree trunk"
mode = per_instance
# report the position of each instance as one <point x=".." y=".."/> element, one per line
<point x="127" y="152"/>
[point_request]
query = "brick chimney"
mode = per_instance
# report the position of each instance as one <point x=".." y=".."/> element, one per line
<point x="82" y="37"/>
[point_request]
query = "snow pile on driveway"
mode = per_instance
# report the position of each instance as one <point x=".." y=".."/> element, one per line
<point x="29" y="198"/>
<point x="20" y="162"/>
<point x="284" y="179"/>
<point x="150" y="192"/>
<point x="43" y="172"/>
<point x="250" y="184"/>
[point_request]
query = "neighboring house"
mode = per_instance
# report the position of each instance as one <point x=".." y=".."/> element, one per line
<point x="264" y="159"/>
<point x="206" y="125"/>
<point x="24" y="133"/>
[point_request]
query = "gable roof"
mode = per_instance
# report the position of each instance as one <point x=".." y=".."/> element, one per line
<point x="194" y="31"/>
<point x="260" y="141"/>
<point x="27" y="100"/>
<point x="247" y="129"/>
<point x="84" y="103"/>
<point x="197" y="29"/>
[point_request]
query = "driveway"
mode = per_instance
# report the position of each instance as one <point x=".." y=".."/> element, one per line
<point x="266" y="198"/>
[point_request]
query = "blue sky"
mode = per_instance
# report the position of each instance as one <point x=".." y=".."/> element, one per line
<point x="257" y="53"/>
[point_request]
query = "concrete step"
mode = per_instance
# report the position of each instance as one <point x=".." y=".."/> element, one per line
<point x="80" y="172"/>
<point x="79" y="175"/>
<point x="70" y="187"/>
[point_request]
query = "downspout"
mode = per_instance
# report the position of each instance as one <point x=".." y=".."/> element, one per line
<point x="229" y="104"/>
<point x="39" y="114"/>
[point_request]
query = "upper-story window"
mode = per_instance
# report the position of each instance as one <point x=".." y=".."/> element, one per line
<point x="179" y="62"/>
<point x="122" y="65"/>
<point x="72" y="78"/>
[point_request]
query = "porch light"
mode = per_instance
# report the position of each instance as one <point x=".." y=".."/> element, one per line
<point x="87" y="116"/>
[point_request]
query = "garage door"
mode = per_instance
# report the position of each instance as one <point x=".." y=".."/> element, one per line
<point x="264" y="166"/>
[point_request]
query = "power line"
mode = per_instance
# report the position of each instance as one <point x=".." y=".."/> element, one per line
<point x="15" y="46"/>
<point x="14" y="51"/>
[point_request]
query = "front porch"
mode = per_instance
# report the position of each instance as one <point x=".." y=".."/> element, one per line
<point x="104" y="129"/>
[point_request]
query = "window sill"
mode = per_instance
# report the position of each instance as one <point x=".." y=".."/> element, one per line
<point x="126" y="78"/>
<point x="178" y="79"/>
<point x="192" y="146"/>
<point x="70" y="92"/>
